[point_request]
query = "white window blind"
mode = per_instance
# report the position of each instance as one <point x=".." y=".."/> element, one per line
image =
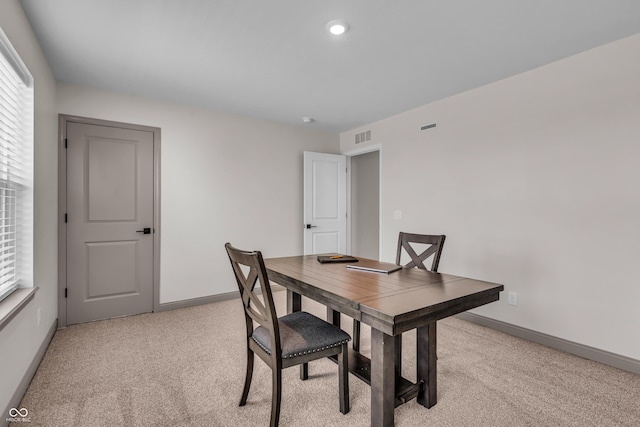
<point x="16" y="171"/>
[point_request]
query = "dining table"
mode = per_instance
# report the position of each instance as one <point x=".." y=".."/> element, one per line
<point x="390" y="302"/>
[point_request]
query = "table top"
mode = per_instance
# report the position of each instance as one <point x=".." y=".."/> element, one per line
<point x="393" y="303"/>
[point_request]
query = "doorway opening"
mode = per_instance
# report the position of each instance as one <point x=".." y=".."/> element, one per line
<point x="364" y="204"/>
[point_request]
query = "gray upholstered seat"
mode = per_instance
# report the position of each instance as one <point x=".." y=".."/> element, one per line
<point x="302" y="333"/>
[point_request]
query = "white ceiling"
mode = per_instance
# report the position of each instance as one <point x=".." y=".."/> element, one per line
<point x="275" y="60"/>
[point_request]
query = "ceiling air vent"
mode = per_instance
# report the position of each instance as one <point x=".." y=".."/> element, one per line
<point x="363" y="136"/>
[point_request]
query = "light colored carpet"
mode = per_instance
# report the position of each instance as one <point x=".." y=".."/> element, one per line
<point x="186" y="368"/>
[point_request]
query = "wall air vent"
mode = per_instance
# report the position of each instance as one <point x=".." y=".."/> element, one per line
<point x="363" y="136"/>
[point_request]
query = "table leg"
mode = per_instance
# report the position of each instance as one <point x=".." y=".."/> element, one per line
<point x="427" y="369"/>
<point x="383" y="378"/>
<point x="333" y="317"/>
<point x="356" y="335"/>
<point x="398" y="344"/>
<point x="294" y="301"/>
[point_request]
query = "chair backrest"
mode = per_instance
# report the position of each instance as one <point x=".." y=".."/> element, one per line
<point x="262" y="311"/>
<point x="435" y="242"/>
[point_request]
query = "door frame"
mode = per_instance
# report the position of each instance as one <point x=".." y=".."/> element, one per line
<point x="63" y="119"/>
<point x="350" y="154"/>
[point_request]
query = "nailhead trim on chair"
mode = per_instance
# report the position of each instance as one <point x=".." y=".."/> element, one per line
<point x="304" y="352"/>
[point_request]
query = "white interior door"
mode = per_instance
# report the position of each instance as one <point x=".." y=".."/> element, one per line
<point x="325" y="203"/>
<point x="110" y="205"/>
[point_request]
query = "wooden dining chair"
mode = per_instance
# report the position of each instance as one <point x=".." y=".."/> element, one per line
<point x="434" y="249"/>
<point x="291" y="340"/>
<point x="435" y="242"/>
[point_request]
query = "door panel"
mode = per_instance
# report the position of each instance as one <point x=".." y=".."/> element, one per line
<point x="325" y="203"/>
<point x="110" y="190"/>
<point x="324" y="242"/>
<point x="326" y="176"/>
<point x="111" y="268"/>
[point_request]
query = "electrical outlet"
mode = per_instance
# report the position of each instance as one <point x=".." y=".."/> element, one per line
<point x="513" y="298"/>
<point x="397" y="214"/>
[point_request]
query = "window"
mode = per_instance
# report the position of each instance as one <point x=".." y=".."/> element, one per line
<point x="16" y="171"/>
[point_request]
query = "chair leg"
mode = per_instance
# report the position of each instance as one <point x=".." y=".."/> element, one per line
<point x="304" y="371"/>
<point x="247" y="380"/>
<point x="343" y="378"/>
<point x="356" y="335"/>
<point x="276" y="396"/>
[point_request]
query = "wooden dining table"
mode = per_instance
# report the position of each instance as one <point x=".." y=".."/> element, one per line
<point x="390" y="303"/>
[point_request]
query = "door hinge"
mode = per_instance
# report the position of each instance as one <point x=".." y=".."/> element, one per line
<point x="65" y="292"/>
<point x="66" y="218"/>
<point x="66" y="143"/>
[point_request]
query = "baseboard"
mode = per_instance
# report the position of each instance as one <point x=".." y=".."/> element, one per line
<point x="617" y="361"/>
<point x="209" y="299"/>
<point x="198" y="301"/>
<point x="28" y="376"/>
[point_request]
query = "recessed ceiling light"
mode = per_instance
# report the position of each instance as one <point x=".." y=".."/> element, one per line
<point x="307" y="119"/>
<point x="337" y="27"/>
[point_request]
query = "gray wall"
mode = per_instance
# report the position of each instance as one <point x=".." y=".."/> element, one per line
<point x="23" y="337"/>
<point x="534" y="180"/>
<point x="224" y="178"/>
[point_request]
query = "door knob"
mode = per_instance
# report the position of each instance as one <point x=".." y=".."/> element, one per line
<point x="144" y="231"/>
<point x="310" y="226"/>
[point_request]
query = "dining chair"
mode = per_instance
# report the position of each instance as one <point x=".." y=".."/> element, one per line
<point x="435" y="244"/>
<point x="290" y="340"/>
